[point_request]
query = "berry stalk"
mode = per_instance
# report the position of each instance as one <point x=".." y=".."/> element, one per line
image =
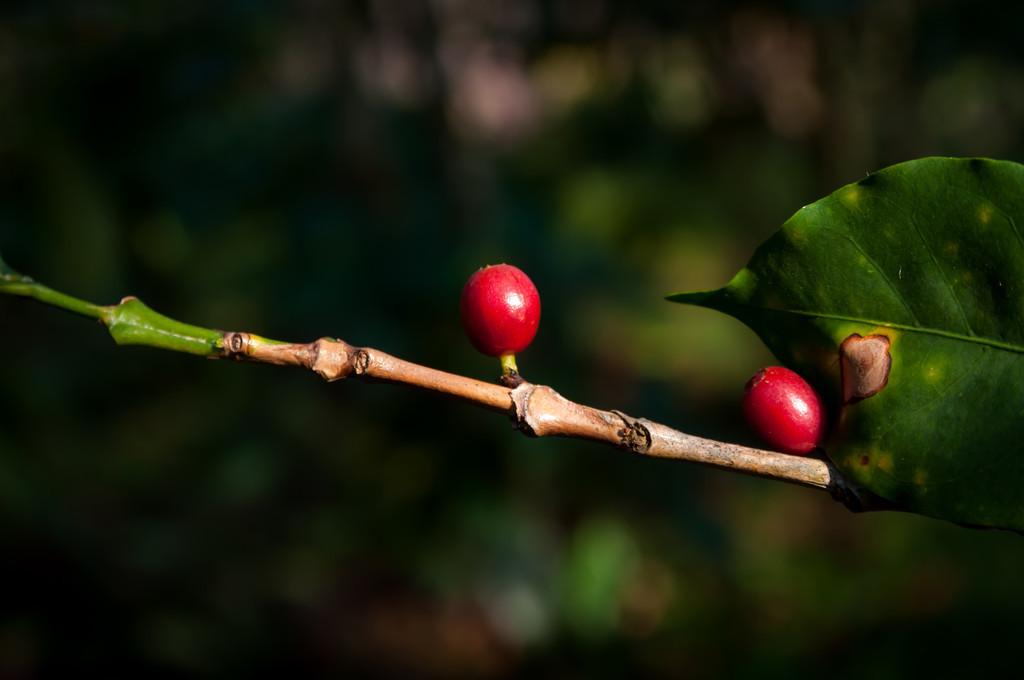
<point x="508" y="364"/>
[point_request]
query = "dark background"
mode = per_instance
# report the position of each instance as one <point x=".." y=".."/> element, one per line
<point x="309" y="168"/>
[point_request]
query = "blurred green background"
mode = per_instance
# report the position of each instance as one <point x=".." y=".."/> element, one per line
<point x="313" y="167"/>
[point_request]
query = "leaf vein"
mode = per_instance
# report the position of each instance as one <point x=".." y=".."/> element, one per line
<point x="885" y="277"/>
<point x="952" y="335"/>
<point x="942" y="275"/>
<point x="1013" y="227"/>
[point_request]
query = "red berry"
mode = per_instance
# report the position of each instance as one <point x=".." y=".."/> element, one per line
<point x="500" y="310"/>
<point x="784" y="410"/>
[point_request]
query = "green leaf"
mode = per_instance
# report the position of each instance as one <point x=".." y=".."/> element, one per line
<point x="930" y="254"/>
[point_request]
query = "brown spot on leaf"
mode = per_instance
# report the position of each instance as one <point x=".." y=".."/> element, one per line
<point x="865" y="363"/>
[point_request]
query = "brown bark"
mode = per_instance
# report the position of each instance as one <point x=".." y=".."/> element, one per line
<point x="540" y="411"/>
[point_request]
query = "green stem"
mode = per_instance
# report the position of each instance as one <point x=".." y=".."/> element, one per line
<point x="15" y="284"/>
<point x="508" y="364"/>
<point x="130" y="322"/>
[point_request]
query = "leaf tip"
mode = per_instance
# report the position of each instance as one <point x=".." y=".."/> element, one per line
<point x="693" y="297"/>
<point x="740" y="288"/>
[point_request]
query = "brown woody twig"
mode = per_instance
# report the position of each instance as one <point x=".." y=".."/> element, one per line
<point x="540" y="411"/>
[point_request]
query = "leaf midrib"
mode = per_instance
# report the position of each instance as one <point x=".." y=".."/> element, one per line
<point x="973" y="339"/>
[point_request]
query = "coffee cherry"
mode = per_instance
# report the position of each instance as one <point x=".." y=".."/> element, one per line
<point x="784" y="410"/>
<point x="500" y="312"/>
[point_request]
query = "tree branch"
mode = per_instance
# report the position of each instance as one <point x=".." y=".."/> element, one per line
<point x="537" y="410"/>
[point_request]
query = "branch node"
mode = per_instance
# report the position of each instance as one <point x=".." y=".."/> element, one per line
<point x="360" y="361"/>
<point x="235" y="345"/>
<point x="521" y="408"/>
<point x="511" y="380"/>
<point x="634" y="435"/>
<point x="330" y="359"/>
